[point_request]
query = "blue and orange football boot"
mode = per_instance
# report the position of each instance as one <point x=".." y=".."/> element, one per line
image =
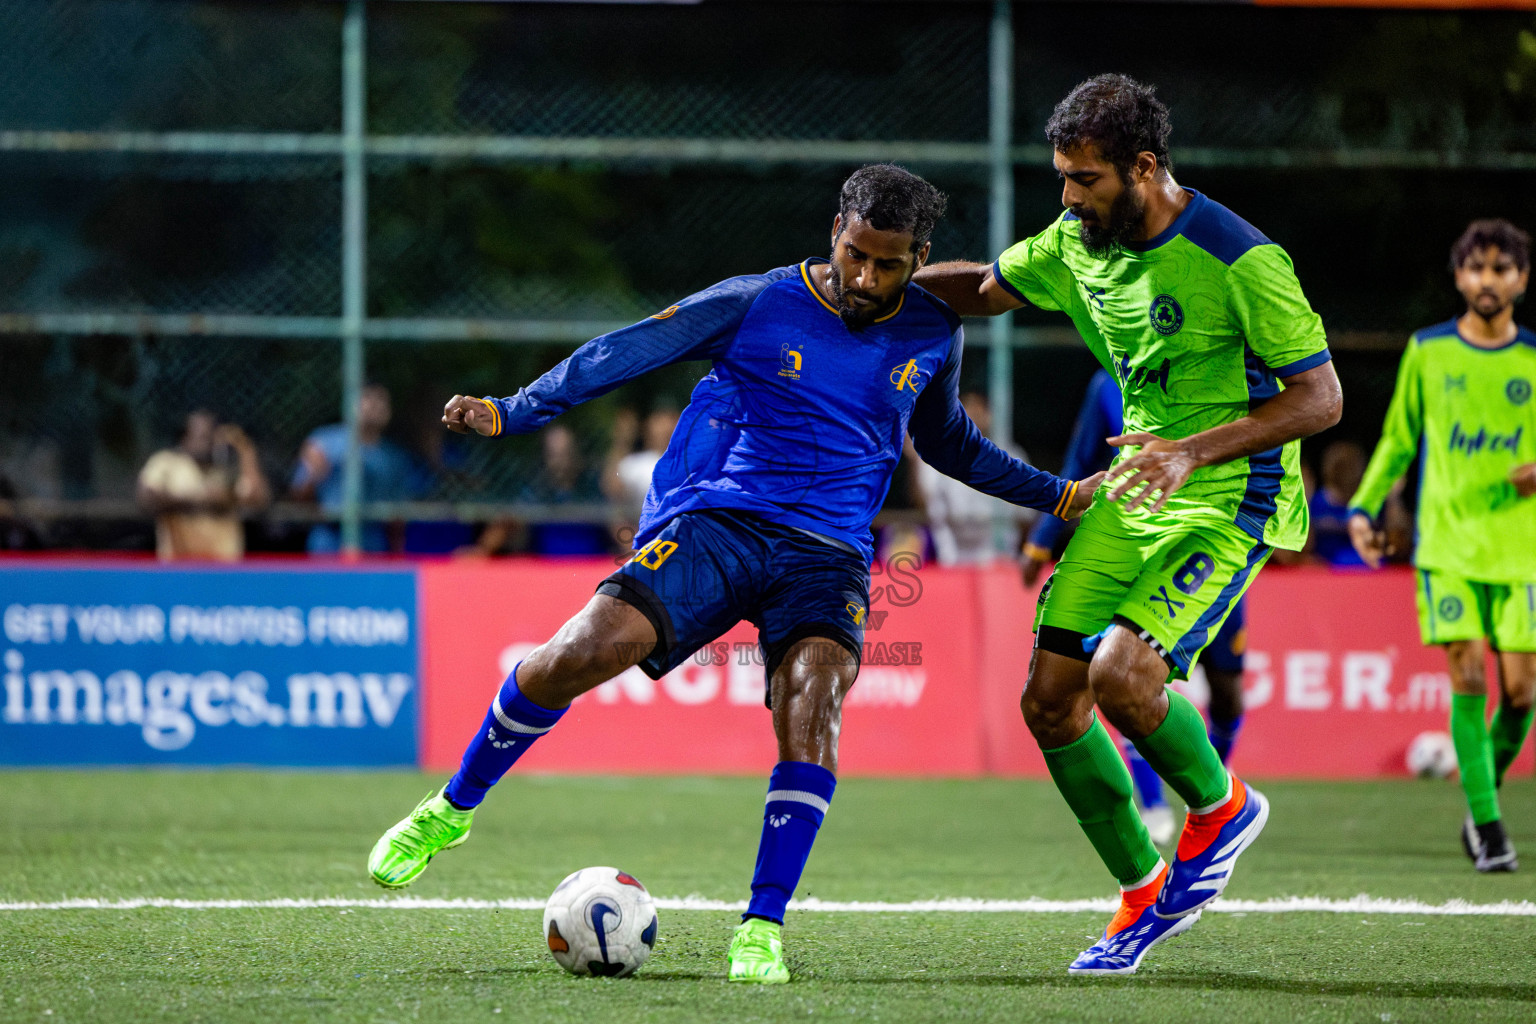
<point x="1208" y="851"/>
<point x="1132" y="932"/>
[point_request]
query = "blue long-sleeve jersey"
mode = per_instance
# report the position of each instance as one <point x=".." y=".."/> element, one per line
<point x="799" y="420"/>
<point x="1102" y="415"/>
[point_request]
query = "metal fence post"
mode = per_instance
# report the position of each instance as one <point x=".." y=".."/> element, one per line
<point x="1000" y="227"/>
<point x="1000" y="231"/>
<point x="354" y="203"/>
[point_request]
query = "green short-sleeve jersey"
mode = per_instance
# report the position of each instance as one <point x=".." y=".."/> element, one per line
<point x="1470" y="412"/>
<point x="1197" y="325"/>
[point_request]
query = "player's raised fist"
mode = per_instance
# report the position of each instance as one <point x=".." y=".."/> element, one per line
<point x="463" y="414"/>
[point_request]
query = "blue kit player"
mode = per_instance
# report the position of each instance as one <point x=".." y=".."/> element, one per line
<point x="1102" y="416"/>
<point x="759" y="510"/>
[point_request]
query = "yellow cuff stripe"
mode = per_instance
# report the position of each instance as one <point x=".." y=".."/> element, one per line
<point x="495" y="416"/>
<point x="1066" y="501"/>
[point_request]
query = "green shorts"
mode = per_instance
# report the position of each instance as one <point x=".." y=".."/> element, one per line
<point x="1453" y="608"/>
<point x="1172" y="581"/>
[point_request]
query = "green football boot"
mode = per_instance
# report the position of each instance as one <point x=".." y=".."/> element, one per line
<point x="757" y="953"/>
<point x="404" y="851"/>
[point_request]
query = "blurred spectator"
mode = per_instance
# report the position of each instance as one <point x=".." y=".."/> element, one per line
<point x="961" y="519"/>
<point x="1343" y="464"/>
<point x="563" y="479"/>
<point x="903" y="535"/>
<point x="197" y="490"/>
<point x="443" y="473"/>
<point x="628" y="478"/>
<point x="388" y="472"/>
<point x="17" y="533"/>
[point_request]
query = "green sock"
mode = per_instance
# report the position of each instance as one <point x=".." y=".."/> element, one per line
<point x="1092" y="776"/>
<point x="1508" y="731"/>
<point x="1474" y="755"/>
<point x="1180" y="751"/>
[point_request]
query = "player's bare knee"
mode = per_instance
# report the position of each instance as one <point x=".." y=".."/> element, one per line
<point x="1056" y="719"/>
<point x="1057" y="702"/>
<point x="1517" y="677"/>
<point x="808" y="691"/>
<point x="815" y="676"/>
<point x="1465" y="660"/>
<point x="1127" y="677"/>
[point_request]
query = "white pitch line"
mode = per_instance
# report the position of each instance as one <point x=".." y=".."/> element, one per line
<point x="1361" y="904"/>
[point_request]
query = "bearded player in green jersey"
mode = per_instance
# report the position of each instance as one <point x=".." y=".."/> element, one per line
<point x="1223" y="365"/>
<point x="1463" y="405"/>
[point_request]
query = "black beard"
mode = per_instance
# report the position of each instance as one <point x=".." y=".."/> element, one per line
<point x="1476" y="306"/>
<point x="1126" y="216"/>
<point x="856" y="319"/>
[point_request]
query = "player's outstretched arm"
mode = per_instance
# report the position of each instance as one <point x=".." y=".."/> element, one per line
<point x="699" y="327"/>
<point x="950" y="442"/>
<point x="967" y="288"/>
<point x="1398" y="447"/>
<point x="1312" y="401"/>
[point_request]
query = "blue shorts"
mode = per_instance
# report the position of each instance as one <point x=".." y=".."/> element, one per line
<point x="1225" y="653"/>
<point x="706" y="571"/>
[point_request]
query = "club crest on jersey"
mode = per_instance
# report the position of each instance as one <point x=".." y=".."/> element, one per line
<point x="1450" y="608"/>
<point x="789" y="362"/>
<point x="907" y="377"/>
<point x="1166" y="315"/>
<point x="1518" y="390"/>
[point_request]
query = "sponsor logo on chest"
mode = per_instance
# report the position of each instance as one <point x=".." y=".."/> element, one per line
<point x="1134" y="378"/>
<point x="1487" y="440"/>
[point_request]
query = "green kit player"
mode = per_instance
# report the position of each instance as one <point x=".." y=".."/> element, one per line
<point x="1223" y="366"/>
<point x="1463" y="404"/>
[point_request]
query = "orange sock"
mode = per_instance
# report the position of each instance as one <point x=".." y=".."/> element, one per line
<point x="1200" y="829"/>
<point x="1134" y="901"/>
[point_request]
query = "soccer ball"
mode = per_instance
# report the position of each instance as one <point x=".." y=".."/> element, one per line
<point x="1431" y="755"/>
<point x="600" y="922"/>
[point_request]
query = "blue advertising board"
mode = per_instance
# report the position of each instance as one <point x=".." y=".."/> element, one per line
<point x="207" y="666"/>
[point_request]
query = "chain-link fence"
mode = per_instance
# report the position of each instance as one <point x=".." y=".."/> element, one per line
<point x="177" y="183"/>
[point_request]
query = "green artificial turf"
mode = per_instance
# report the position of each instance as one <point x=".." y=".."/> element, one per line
<point x="237" y="835"/>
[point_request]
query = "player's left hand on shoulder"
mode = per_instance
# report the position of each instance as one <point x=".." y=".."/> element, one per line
<point x="1152" y="474"/>
<point x="1524" y="479"/>
<point x="1086" y="489"/>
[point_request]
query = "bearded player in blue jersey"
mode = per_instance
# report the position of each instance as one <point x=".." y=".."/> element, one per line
<point x="760" y="510"/>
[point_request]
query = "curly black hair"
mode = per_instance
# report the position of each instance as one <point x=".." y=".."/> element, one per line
<point x="890" y="198"/>
<point x="1116" y="113"/>
<point x="1481" y="234"/>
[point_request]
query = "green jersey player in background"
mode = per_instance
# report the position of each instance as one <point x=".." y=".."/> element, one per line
<point x="1463" y="405"/>
<point x="1223" y="365"/>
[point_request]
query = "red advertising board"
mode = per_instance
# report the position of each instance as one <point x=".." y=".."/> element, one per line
<point x="914" y="711"/>
<point x="1337" y="683"/>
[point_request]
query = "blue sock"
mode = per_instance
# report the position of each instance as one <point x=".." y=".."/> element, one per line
<point x="509" y="729"/>
<point x="1223" y="735"/>
<point x="1148" y="786"/>
<point x="798" y="796"/>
